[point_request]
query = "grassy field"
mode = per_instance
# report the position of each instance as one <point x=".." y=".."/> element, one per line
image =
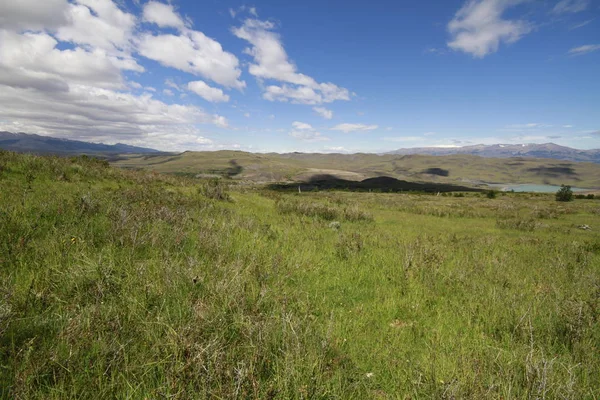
<point x="135" y="285"/>
<point x="454" y="169"/>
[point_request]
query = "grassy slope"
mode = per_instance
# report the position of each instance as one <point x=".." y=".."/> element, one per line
<point x="132" y="285"/>
<point x="461" y="168"/>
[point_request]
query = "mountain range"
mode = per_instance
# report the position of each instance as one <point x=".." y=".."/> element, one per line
<point x="23" y="142"/>
<point x="546" y="150"/>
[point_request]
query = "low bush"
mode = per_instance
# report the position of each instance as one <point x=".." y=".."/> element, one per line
<point x="564" y="193"/>
<point x="215" y="189"/>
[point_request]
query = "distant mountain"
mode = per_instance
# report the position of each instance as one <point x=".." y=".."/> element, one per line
<point x="23" y="142"/>
<point x="547" y="150"/>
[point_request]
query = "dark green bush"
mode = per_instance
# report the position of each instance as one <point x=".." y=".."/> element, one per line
<point x="564" y="193"/>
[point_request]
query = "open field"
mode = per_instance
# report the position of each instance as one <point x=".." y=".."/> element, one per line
<point x="453" y="169"/>
<point x="132" y="284"/>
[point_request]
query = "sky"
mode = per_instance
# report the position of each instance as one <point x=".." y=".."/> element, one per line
<point x="311" y="76"/>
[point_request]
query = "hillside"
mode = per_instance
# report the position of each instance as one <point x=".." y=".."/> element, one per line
<point x="532" y="150"/>
<point x="451" y="169"/>
<point x="23" y="142"/>
<point x="130" y="284"/>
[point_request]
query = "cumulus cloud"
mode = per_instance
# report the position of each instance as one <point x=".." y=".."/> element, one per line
<point x="100" y="24"/>
<point x="323" y="112"/>
<point x="581" y="50"/>
<point x="162" y="15"/>
<point x="32" y="60"/>
<point x="33" y="14"/>
<point x="570" y="6"/>
<point x="208" y="93"/>
<point x="478" y="27"/>
<point x="193" y="52"/>
<point x="305" y="132"/>
<point x="62" y="70"/>
<point x="91" y="113"/>
<point x="346" y="128"/>
<point x="271" y="63"/>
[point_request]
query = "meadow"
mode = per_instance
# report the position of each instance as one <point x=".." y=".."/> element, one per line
<point x="134" y="285"/>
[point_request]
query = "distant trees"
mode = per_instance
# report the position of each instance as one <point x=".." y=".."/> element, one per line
<point x="564" y="193"/>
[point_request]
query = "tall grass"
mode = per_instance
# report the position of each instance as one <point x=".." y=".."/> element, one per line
<point x="121" y="284"/>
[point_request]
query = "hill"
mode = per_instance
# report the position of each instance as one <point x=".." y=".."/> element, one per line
<point x="37" y="144"/>
<point x="547" y="150"/>
<point x="301" y="167"/>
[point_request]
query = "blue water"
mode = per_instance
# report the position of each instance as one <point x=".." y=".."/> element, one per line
<point x="532" y="188"/>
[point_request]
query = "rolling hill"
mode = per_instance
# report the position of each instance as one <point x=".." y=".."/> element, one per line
<point x="458" y="169"/>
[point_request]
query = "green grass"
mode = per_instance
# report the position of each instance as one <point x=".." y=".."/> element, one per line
<point x="122" y="284"/>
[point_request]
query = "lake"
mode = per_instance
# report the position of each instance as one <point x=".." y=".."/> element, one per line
<point x="526" y="187"/>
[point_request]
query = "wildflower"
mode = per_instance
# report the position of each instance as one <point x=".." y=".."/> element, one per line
<point x="369" y="374"/>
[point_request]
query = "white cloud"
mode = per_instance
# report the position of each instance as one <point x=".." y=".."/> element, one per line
<point x="193" y="52"/>
<point x="336" y="149"/>
<point x="79" y="90"/>
<point x="271" y="63"/>
<point x="531" y="125"/>
<point x="581" y="24"/>
<point x="323" y="112"/>
<point x="171" y="84"/>
<point x="581" y="50"/>
<point x="31" y="60"/>
<point x="33" y="14"/>
<point x="208" y="93"/>
<point x="570" y="6"/>
<point x="162" y="15"/>
<point x="302" y="126"/>
<point x="305" y="132"/>
<point x="220" y="121"/>
<point x="478" y="27"/>
<point x="346" y="128"/>
<point x="100" y="24"/>
<point x="90" y="113"/>
<point x="298" y="94"/>
<point x="168" y="92"/>
<point x="250" y="10"/>
<point x="247" y="115"/>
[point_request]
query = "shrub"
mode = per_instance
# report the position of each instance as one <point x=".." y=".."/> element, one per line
<point x="590" y="196"/>
<point x="491" y="194"/>
<point x="214" y="189"/>
<point x="564" y="193"/>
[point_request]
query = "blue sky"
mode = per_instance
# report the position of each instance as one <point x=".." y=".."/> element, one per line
<point x="318" y="76"/>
